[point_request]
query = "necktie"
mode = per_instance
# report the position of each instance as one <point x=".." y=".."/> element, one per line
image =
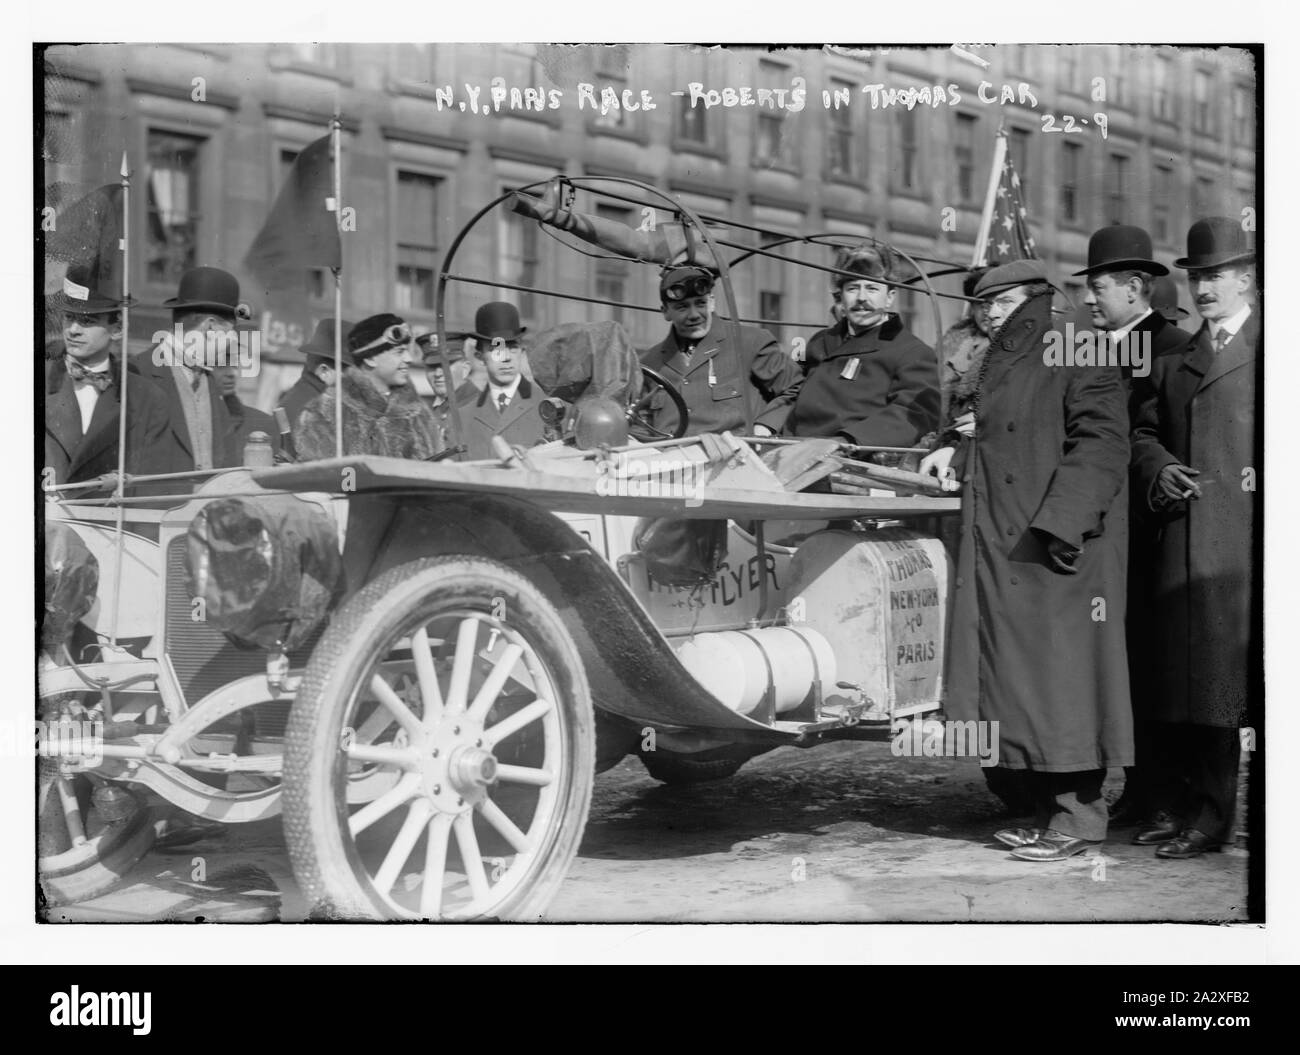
<point x="196" y="379"/>
<point x="101" y="379"/>
<point x="1221" y="338"/>
<point x="502" y="401"/>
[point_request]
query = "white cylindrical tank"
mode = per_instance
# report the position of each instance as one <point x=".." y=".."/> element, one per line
<point x="737" y="666"/>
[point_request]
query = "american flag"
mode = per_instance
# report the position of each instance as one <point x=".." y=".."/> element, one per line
<point x="1009" y="238"/>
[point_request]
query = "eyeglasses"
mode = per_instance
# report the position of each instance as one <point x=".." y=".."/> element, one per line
<point x="398" y="333"/>
<point x="696" y="286"/>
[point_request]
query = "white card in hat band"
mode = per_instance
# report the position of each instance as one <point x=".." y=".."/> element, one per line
<point x="75" y="291"/>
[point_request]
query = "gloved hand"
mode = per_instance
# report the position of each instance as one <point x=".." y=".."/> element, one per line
<point x="1062" y="555"/>
<point x="938" y="463"/>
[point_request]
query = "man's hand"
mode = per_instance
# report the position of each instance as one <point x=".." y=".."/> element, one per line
<point x="939" y="464"/>
<point x="763" y="432"/>
<point x="1175" y="483"/>
<point x="1061" y="555"/>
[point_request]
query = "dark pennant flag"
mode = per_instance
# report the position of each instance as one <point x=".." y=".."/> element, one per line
<point x="302" y="232"/>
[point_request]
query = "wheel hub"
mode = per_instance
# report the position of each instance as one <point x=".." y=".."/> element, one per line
<point x="457" y="768"/>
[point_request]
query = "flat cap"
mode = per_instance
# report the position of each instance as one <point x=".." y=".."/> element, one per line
<point x="1007" y="276"/>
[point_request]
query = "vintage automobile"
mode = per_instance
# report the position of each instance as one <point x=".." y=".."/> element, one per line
<point x="423" y="665"/>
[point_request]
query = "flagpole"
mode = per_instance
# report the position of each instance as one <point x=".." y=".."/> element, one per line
<point x="990" y="199"/>
<point x="335" y="127"/>
<point x="122" y="396"/>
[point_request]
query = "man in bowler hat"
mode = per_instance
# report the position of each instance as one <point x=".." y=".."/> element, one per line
<point x="1195" y="450"/>
<point x="317" y="371"/>
<point x="83" y="394"/>
<point x="509" y="403"/>
<point x="1121" y="278"/>
<point x="205" y="309"/>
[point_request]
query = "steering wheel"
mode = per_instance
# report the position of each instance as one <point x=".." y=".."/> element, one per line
<point x="639" y="424"/>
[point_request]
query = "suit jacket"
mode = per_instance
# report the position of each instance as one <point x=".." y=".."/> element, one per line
<point x="248" y="420"/>
<point x="302" y="392"/>
<point x="1197" y="408"/>
<point x="521" y="425"/>
<point x="725" y="384"/>
<point x="891" y="399"/>
<point x="76" y="456"/>
<point x="226" y="449"/>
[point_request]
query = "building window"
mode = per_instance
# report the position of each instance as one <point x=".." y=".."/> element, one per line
<point x="771" y="291"/>
<point x="1069" y="67"/>
<point x="1161" y="226"/>
<point x="612" y="273"/>
<point x="520" y="261"/>
<point x="692" y="122"/>
<point x="839" y="132"/>
<point x="173" y="209"/>
<point x="1018" y="148"/>
<point x="318" y="283"/>
<point x="1162" y="105"/>
<point x="909" y="159"/>
<point x="964" y="152"/>
<point x="771" y="140"/>
<point x="769" y="310"/>
<point x="417" y="240"/>
<point x="1117" y="188"/>
<point x="1243" y="115"/>
<point x="1204" y="197"/>
<point x="1071" y="176"/>
<point x="612" y="68"/>
<point x="1201" y="102"/>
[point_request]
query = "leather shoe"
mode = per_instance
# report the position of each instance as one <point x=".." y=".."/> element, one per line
<point x="1018" y="836"/>
<point x="1051" y="845"/>
<point x="1160" y="829"/>
<point x="1190" y="843"/>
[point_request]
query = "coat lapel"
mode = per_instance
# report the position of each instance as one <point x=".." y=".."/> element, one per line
<point x="1239" y="351"/>
<point x="62" y="413"/>
<point x="517" y="407"/>
<point x="103" y="431"/>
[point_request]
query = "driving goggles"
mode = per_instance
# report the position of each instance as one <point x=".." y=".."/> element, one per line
<point x="398" y="333"/>
<point x="695" y="286"/>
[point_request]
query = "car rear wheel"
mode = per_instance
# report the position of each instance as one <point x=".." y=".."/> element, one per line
<point x="450" y="691"/>
<point x="672" y="767"/>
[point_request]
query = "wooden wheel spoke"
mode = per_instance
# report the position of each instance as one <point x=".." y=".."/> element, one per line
<point x="462" y="665"/>
<point x="522" y="717"/>
<point x="417" y="816"/>
<point x="430" y="690"/>
<point x="470" y="856"/>
<point x="396" y="706"/>
<point x="435" y="866"/>
<point x="537" y="778"/>
<point x="491" y="688"/>
<point x="503" y="824"/>
<point x="385" y="804"/>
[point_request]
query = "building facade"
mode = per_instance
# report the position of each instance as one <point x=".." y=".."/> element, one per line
<point x="211" y="132"/>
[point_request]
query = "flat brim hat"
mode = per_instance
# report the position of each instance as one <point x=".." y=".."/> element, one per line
<point x="79" y="295"/>
<point x="1121" y="247"/>
<point x="1008" y="276"/>
<point x="497" y="320"/>
<point x="367" y="336"/>
<point x="209" y="289"/>
<point x="321" y="345"/>
<point x="1214" y="242"/>
<point x="432" y="352"/>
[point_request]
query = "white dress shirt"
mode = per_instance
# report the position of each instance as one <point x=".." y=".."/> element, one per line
<point x="1232" y="324"/>
<point x="87" y="394"/>
<point x="495" y="392"/>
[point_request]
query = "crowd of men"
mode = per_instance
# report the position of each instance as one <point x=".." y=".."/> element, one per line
<point x="1086" y="489"/>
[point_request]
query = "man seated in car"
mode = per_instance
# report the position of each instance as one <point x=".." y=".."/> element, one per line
<point x="868" y="379"/>
<point x="726" y="384"/>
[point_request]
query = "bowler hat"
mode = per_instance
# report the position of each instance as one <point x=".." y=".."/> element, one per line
<point x="1008" y="276"/>
<point x="1164" y="299"/>
<point x="1214" y="242"/>
<point x="497" y="319"/>
<point x="321" y="345"/>
<point x="81" y="294"/>
<point x="209" y="289"/>
<point x="1121" y="247"/>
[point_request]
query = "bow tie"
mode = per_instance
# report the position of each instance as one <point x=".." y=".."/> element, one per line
<point x="101" y="379"/>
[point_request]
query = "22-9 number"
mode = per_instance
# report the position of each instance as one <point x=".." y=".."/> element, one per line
<point x="1068" y="124"/>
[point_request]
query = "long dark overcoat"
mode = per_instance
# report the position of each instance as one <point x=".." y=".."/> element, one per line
<point x="1198" y="408"/>
<point x="1038" y="651"/>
